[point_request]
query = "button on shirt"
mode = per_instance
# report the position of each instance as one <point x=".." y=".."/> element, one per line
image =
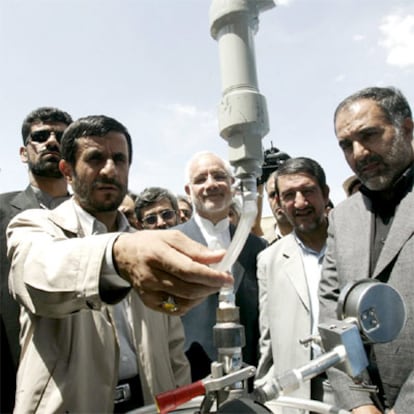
<point x="128" y="365"/>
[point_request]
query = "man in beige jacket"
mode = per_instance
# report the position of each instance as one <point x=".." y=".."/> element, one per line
<point x="88" y="341"/>
<point x="288" y="274"/>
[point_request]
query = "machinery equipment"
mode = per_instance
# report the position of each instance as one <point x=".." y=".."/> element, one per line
<point x="370" y="312"/>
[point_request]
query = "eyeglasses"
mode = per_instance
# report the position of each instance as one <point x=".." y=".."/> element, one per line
<point x="152" y="219"/>
<point x="44" y="134"/>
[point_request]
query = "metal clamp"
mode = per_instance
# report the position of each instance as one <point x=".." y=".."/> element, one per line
<point x="216" y="384"/>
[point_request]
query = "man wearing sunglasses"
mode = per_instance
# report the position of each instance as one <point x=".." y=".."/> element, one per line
<point x="41" y="133"/>
<point x="157" y="208"/>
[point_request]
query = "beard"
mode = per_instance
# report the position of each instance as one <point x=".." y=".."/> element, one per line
<point x="308" y="226"/>
<point x="211" y="210"/>
<point x="42" y="168"/>
<point x="392" y="164"/>
<point x="84" y="193"/>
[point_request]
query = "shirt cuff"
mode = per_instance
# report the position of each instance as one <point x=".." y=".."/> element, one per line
<point x="112" y="287"/>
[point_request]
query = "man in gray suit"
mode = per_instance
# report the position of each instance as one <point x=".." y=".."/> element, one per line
<point x="289" y="273"/>
<point x="209" y="181"/>
<point x="371" y="235"/>
<point x="41" y="133"/>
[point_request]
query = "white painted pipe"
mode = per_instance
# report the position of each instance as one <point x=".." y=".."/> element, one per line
<point x="243" y="118"/>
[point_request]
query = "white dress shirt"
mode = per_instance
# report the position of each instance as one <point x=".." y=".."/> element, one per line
<point x="128" y="365"/>
<point x="312" y="264"/>
<point x="217" y="235"/>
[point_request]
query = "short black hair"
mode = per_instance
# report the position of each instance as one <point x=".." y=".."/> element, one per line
<point x="42" y="115"/>
<point x="151" y="195"/>
<point x="302" y="165"/>
<point x="92" y="125"/>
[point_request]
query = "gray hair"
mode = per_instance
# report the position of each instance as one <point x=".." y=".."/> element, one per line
<point x="202" y="154"/>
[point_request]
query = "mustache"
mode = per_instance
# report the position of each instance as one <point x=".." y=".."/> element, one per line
<point x="212" y="191"/>
<point x="368" y="160"/>
<point x="109" y="181"/>
<point x="49" y="148"/>
<point x="304" y="210"/>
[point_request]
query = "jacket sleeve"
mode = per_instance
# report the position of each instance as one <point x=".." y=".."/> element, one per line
<point x="329" y="289"/>
<point x="405" y="399"/>
<point x="53" y="274"/>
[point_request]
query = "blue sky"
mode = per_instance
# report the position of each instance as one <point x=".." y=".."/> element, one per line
<point x="153" y="65"/>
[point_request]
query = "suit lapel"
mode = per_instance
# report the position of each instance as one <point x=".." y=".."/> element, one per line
<point x="294" y="271"/>
<point x="357" y="230"/>
<point x="191" y="229"/>
<point x="401" y="230"/>
<point x="25" y="200"/>
<point x="66" y="218"/>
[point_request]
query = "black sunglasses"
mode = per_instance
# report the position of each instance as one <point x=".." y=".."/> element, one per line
<point x="152" y="219"/>
<point x="44" y="134"/>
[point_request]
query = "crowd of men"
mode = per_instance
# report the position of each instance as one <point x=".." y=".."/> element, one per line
<point x="100" y="311"/>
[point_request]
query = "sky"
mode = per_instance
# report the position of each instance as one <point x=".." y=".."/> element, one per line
<point x="153" y="65"/>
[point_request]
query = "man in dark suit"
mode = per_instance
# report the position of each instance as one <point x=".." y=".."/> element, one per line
<point x="209" y="181"/>
<point x="371" y="235"/>
<point x="41" y="132"/>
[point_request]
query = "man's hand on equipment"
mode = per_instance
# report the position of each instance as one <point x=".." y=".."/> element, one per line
<point x="167" y="269"/>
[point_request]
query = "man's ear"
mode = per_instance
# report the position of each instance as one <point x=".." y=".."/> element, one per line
<point x="326" y="194"/>
<point x="187" y="190"/>
<point x="408" y="128"/>
<point x="23" y="154"/>
<point x="66" y="170"/>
